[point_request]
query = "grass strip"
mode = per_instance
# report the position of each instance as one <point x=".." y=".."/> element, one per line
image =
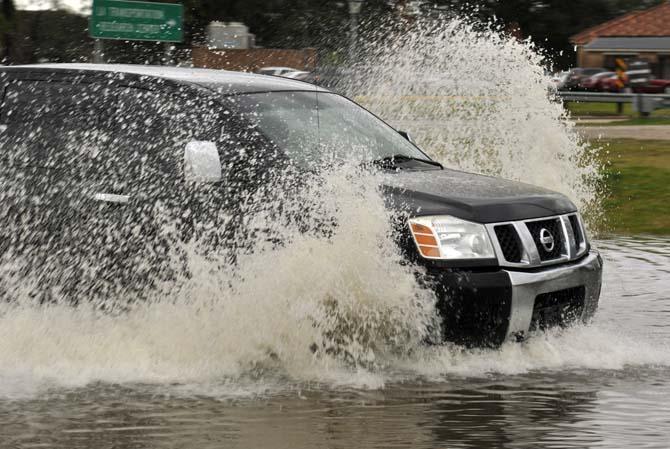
<point x="638" y="177"/>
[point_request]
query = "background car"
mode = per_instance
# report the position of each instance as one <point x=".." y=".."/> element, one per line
<point x="594" y="82"/>
<point x="276" y="71"/>
<point x="653" y="86"/>
<point x="299" y="75"/>
<point x="576" y="75"/>
<point x="559" y="79"/>
<point x="610" y="84"/>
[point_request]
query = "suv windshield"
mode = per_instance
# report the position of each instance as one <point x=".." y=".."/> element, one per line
<point x="316" y="128"/>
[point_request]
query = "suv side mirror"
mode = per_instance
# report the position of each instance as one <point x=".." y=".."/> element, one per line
<point x="406" y="135"/>
<point x="201" y="162"/>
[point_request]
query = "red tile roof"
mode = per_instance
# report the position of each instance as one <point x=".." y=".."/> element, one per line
<point x="649" y="22"/>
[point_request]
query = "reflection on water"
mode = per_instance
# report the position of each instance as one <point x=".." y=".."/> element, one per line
<point x="569" y="406"/>
<point x="567" y="410"/>
<point x="637" y="277"/>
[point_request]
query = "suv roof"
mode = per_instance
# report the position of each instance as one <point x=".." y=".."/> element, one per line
<point x="221" y="81"/>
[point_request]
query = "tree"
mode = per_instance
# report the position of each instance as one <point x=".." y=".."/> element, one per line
<point x="6" y="28"/>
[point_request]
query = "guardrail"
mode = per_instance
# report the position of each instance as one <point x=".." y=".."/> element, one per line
<point x="645" y="104"/>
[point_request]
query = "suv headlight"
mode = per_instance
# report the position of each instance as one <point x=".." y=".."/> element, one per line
<point x="445" y="237"/>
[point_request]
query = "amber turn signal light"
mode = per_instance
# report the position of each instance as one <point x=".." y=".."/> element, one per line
<point x="425" y="240"/>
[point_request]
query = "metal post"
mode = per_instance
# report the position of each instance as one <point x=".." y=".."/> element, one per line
<point x="168" y="47"/>
<point x="354" y="10"/>
<point x="98" y="52"/>
<point x="353" y="34"/>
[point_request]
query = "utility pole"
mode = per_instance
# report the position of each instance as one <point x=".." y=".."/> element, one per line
<point x="168" y="57"/>
<point x="98" y="52"/>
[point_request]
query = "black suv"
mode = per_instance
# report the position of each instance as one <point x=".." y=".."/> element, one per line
<point x="94" y="155"/>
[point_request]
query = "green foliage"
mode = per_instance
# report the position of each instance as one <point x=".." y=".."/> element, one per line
<point x="7" y="13"/>
<point x="56" y="36"/>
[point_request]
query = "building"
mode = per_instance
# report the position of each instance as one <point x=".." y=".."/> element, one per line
<point x="229" y="35"/>
<point x="643" y="35"/>
<point x="250" y="60"/>
<point x="230" y="46"/>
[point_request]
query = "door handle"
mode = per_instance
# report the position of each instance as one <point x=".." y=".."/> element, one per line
<point x="111" y="198"/>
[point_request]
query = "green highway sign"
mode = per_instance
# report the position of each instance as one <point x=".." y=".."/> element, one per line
<point x="140" y="21"/>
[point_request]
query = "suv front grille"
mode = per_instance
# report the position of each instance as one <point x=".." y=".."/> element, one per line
<point x="553" y="247"/>
<point x="576" y="229"/>
<point x="509" y="242"/>
<point x="537" y="242"/>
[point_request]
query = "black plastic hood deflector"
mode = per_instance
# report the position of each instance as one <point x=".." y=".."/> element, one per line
<point x="472" y="197"/>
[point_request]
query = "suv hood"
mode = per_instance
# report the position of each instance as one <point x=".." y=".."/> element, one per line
<point x="478" y="198"/>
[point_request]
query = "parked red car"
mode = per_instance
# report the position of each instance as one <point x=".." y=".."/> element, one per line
<point x="654" y="86"/>
<point x="610" y="84"/>
<point x="594" y="82"/>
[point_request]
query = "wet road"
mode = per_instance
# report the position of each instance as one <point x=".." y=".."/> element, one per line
<point x="603" y="386"/>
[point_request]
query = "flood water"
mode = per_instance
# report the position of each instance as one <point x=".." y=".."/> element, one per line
<point x="606" y="385"/>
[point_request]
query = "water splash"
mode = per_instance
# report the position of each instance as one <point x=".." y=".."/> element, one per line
<point x="478" y="100"/>
<point x="578" y="348"/>
<point x="307" y="306"/>
<point x="343" y="309"/>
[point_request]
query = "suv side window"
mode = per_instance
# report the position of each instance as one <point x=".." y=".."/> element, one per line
<point x="142" y="151"/>
<point x="50" y="132"/>
<point x="125" y="139"/>
<point x="150" y="130"/>
<point x="52" y="124"/>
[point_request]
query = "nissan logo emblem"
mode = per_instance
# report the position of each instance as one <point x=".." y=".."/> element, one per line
<point x="547" y="240"/>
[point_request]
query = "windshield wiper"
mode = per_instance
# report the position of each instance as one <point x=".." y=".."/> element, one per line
<point x="392" y="161"/>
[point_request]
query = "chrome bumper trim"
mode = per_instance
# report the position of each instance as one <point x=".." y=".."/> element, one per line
<point x="526" y="286"/>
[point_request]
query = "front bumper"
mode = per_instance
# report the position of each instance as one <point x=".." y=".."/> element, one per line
<point x="527" y="286"/>
<point x="486" y="308"/>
